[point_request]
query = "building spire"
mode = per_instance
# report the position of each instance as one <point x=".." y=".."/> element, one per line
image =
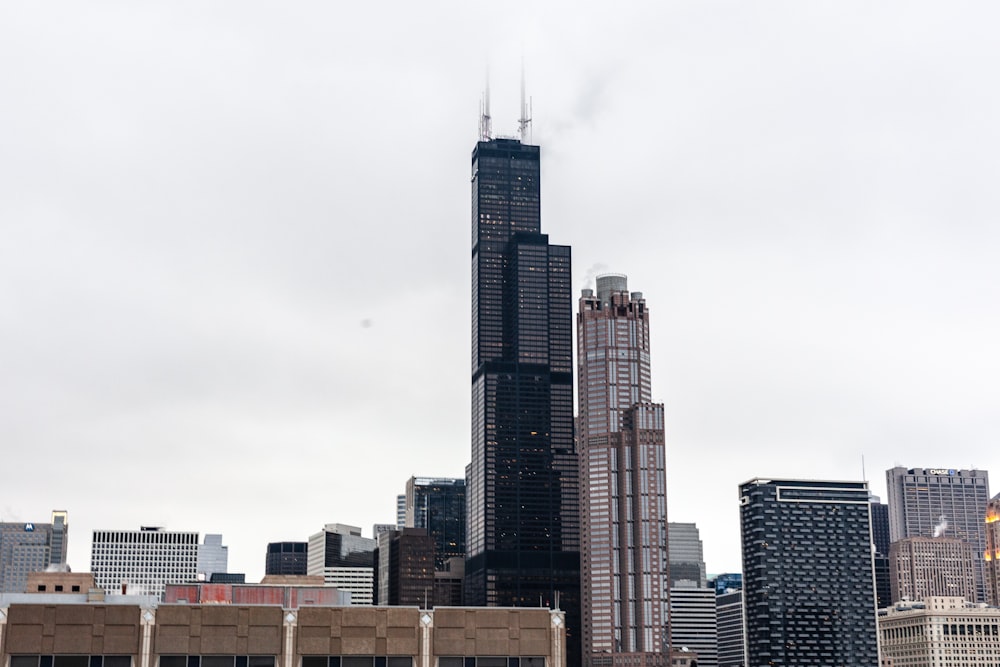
<point x="524" y="122"/>
<point x="485" y="122"/>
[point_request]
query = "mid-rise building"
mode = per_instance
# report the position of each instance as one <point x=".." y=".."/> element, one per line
<point x="687" y="561"/>
<point x="932" y="566"/>
<point x="940" y="502"/>
<point x="406" y="568"/>
<point x="265" y="631"/>
<point x="345" y="559"/>
<point x="940" y="632"/>
<point x="623" y="481"/>
<point x="27" y="547"/>
<point x="694" y="623"/>
<point x="808" y="583"/>
<point x="290" y="558"/>
<point x="992" y="553"/>
<point x="437" y="504"/>
<point x="142" y="562"/>
<point x="729" y="621"/>
<point x="523" y="515"/>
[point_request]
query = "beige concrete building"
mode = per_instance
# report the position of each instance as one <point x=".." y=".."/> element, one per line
<point x="940" y="632"/>
<point x="921" y="567"/>
<point x="227" y="635"/>
<point x="60" y="582"/>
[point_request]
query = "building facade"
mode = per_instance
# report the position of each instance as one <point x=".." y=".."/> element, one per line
<point x="687" y="561"/>
<point x="881" y="541"/>
<point x="694" y="623"/>
<point x="927" y="566"/>
<point x="143" y="561"/>
<point x="27" y="547"/>
<point x="940" y="502"/>
<point x="940" y="632"/>
<point x="729" y="622"/>
<point x="251" y="634"/>
<point x="213" y="557"/>
<point x="523" y="523"/>
<point x="287" y="558"/>
<point x="344" y="559"/>
<point x="437" y="504"/>
<point x="808" y="583"/>
<point x="406" y="568"/>
<point x="992" y="553"/>
<point x="623" y="481"/>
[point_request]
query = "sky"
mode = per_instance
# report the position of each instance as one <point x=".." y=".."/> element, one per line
<point x="235" y="245"/>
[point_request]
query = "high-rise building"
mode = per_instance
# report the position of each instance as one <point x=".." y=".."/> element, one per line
<point x="932" y="566"/>
<point x="401" y="511"/>
<point x="287" y="558"/>
<point x="523" y="518"/>
<point x="213" y="557"/>
<point x="406" y="568"/>
<point x="992" y="553"/>
<point x="345" y="559"/>
<point x="694" y="624"/>
<point x="438" y="506"/>
<point x="623" y="482"/>
<point x="936" y="502"/>
<point x="729" y="614"/>
<point x="27" y="547"/>
<point x="881" y="541"/>
<point x="808" y="585"/>
<point x="142" y="562"/>
<point x="687" y="561"/>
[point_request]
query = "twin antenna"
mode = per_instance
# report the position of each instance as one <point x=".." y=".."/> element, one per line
<point x="486" y="121"/>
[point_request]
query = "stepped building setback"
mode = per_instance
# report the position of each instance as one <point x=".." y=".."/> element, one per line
<point x="523" y="521"/>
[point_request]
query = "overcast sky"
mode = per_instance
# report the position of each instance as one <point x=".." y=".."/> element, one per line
<point x="235" y="245"/>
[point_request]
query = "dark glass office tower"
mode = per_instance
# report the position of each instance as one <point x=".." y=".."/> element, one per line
<point x="523" y="535"/>
<point x="438" y="505"/>
<point x="808" y="584"/>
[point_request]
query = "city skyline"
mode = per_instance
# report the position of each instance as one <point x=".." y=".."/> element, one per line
<point x="202" y="271"/>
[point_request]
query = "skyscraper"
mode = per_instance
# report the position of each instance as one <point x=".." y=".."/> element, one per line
<point x="808" y="584"/>
<point x="923" y="567"/>
<point x="623" y="482"/>
<point x="345" y="560"/>
<point x="936" y="502"/>
<point x="438" y="505"/>
<point x="992" y="553"/>
<point x="27" y="547"/>
<point x="523" y="534"/>
<point x="287" y="558"/>
<point x="687" y="561"/>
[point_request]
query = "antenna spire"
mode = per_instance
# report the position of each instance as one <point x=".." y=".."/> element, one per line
<point x="485" y="122"/>
<point x="524" y="123"/>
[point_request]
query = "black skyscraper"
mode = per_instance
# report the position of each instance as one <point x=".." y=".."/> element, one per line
<point x="808" y="585"/>
<point x="523" y="535"/>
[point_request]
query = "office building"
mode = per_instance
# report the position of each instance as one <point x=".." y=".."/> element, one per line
<point x="881" y="541"/>
<point x="437" y="505"/>
<point x="729" y="623"/>
<point x="932" y="566"/>
<point x="142" y="562"/>
<point x="687" y="562"/>
<point x="287" y="558"/>
<point x="940" y="502"/>
<point x="264" y="632"/>
<point x="449" y="588"/>
<point x="27" y="547"/>
<point x="213" y="557"/>
<point x="623" y="481"/>
<point x="808" y="584"/>
<point x="727" y="582"/>
<point x="401" y="511"/>
<point x="523" y="523"/>
<point x="992" y="552"/>
<point x="694" y="624"/>
<point x="345" y="560"/>
<point x="940" y="632"/>
<point x="406" y="568"/>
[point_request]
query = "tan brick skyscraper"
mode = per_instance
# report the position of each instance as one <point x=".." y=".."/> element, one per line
<point x="623" y="482"/>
